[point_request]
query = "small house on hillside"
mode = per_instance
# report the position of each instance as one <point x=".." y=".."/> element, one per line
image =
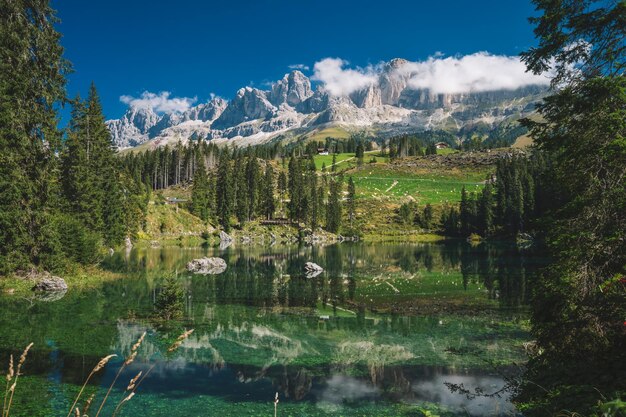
<point x="322" y="151"/>
<point x="442" y="145"/>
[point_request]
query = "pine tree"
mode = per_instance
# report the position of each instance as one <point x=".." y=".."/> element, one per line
<point x="465" y="212"/>
<point x="253" y="177"/>
<point x="360" y="153"/>
<point x="242" y="196"/>
<point x="351" y="201"/>
<point x="108" y="197"/>
<point x="224" y="190"/>
<point x="32" y="83"/>
<point x="333" y="210"/>
<point x="296" y="190"/>
<point x="268" y="204"/>
<point x="282" y="189"/>
<point x="200" y="203"/>
<point x="427" y="216"/>
<point x="485" y="210"/>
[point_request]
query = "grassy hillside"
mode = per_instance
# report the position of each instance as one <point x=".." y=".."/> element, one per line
<point x="386" y="182"/>
<point x="437" y="180"/>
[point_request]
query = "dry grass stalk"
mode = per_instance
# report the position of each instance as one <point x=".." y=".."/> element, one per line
<point x="131" y="384"/>
<point x="276" y="405"/>
<point x="10" y="374"/>
<point x="179" y="341"/>
<point x="88" y="404"/>
<point x="101" y="364"/>
<point x="128" y="361"/>
<point x="17" y="375"/>
<point x="131" y="395"/>
<point x="77" y="412"/>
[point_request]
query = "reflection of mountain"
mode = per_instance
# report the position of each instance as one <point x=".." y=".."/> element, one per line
<point x="235" y="360"/>
<point x="261" y="327"/>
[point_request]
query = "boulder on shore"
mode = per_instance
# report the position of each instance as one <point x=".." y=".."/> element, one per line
<point x="225" y="240"/>
<point x="51" y="283"/>
<point x="312" y="269"/>
<point x="207" y="266"/>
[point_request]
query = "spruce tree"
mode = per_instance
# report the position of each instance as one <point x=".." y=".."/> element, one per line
<point x="333" y="210"/>
<point x="108" y="193"/>
<point x="427" y="216"/>
<point x="32" y="83"/>
<point x="242" y="190"/>
<point x="224" y="190"/>
<point x="282" y="189"/>
<point x="351" y="201"/>
<point x="253" y="177"/>
<point x="465" y="214"/>
<point x="268" y="202"/>
<point x="200" y="203"/>
<point x="296" y="190"/>
<point x="485" y="210"/>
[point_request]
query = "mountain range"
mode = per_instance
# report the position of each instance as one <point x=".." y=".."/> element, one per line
<point x="293" y="108"/>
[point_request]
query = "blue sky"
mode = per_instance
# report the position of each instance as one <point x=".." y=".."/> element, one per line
<point x="195" y="48"/>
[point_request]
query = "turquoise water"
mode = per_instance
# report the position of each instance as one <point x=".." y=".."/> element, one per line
<point x="379" y="333"/>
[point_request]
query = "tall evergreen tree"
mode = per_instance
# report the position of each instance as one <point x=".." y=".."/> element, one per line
<point x="268" y="202"/>
<point x="296" y="190"/>
<point x="427" y="216"/>
<point x="108" y="197"/>
<point x="200" y="193"/>
<point x="242" y="190"/>
<point x="351" y="201"/>
<point x="333" y="210"/>
<point x="32" y="83"/>
<point x="253" y="177"/>
<point x="224" y="190"/>
<point x="282" y="189"/>
<point x="465" y="214"/>
<point x="485" y="210"/>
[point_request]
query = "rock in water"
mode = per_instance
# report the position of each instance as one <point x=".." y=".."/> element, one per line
<point x="312" y="269"/>
<point x="206" y="266"/>
<point x="51" y="283"/>
<point x="225" y="240"/>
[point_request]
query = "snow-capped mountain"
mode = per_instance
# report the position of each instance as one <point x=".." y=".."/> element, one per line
<point x="390" y="105"/>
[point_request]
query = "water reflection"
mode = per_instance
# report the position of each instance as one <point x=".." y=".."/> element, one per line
<point x="329" y="344"/>
<point x="354" y="273"/>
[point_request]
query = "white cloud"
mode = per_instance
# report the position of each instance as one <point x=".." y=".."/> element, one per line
<point x="339" y="81"/>
<point x="161" y="102"/>
<point x="471" y="73"/>
<point x="300" y="67"/>
<point x="477" y="72"/>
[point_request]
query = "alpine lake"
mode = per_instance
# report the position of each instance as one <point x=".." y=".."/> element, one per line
<point x="383" y="331"/>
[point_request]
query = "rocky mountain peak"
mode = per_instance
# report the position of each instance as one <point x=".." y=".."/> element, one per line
<point x="133" y="127"/>
<point x="206" y="112"/>
<point x="293" y="89"/>
<point x="291" y="107"/>
<point x="395" y="63"/>
<point x="249" y="104"/>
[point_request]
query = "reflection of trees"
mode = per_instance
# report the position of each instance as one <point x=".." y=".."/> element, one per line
<point x="501" y="268"/>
